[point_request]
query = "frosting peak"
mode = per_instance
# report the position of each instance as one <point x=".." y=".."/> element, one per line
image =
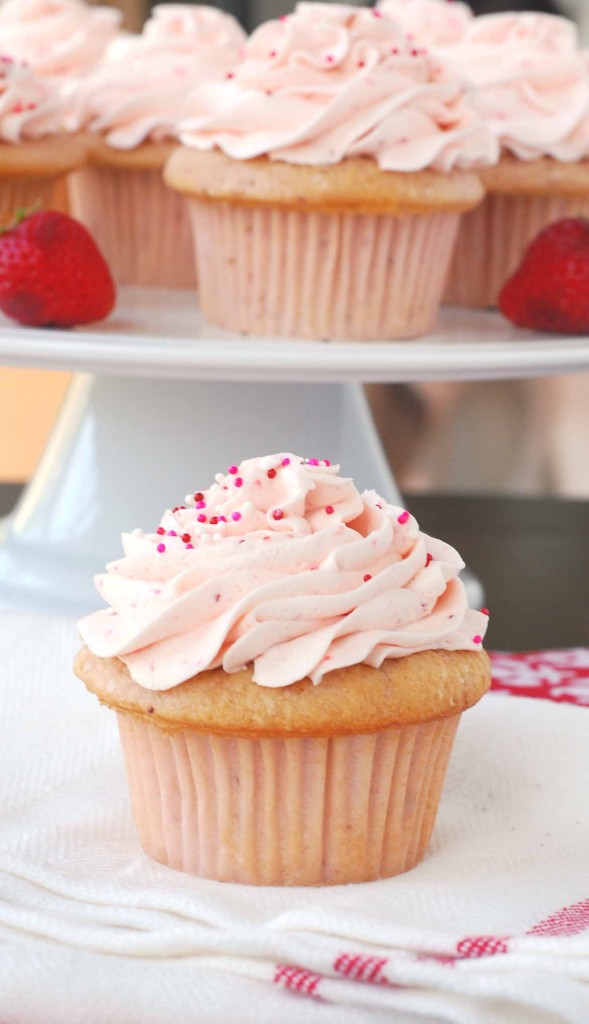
<point x="431" y="23"/>
<point x="56" y="37"/>
<point x="29" y="106"/>
<point x="284" y="564"/>
<point x="333" y="81"/>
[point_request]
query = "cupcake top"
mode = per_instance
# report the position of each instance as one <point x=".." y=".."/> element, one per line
<point x="57" y="38"/>
<point x="531" y="83"/>
<point x="284" y="565"/>
<point x="430" y="22"/>
<point x="141" y="91"/>
<point x="333" y="81"/>
<point x="29" y="106"/>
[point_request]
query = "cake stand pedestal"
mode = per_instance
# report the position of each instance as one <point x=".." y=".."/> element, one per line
<point x="163" y="402"/>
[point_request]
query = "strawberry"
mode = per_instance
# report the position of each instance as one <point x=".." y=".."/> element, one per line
<point x="52" y="273"/>
<point x="550" y="290"/>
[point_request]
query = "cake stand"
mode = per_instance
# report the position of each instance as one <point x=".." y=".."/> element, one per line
<point x="161" y="401"/>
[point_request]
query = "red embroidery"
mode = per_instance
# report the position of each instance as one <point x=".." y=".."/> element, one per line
<point x="297" y="979"/>
<point x="361" y="968"/>
<point x="569" y="921"/>
<point x="481" y="945"/>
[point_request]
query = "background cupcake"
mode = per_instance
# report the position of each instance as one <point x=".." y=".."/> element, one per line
<point x="431" y="23"/>
<point x="127" y="110"/>
<point x="281" y="635"/>
<point x="35" y="155"/>
<point x="327" y="175"/>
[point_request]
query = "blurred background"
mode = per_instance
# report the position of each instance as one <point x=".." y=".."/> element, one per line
<point x="519" y="437"/>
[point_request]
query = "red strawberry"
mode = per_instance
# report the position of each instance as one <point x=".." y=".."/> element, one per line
<point x="550" y="290"/>
<point x="52" y="273"/>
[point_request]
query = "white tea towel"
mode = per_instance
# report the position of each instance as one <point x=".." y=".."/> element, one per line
<point x="492" y="927"/>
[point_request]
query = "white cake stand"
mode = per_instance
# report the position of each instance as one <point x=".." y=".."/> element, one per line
<point x="162" y="401"/>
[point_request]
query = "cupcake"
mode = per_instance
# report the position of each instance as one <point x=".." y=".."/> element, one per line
<point x="128" y="109"/>
<point x="326" y="177"/>
<point x="35" y="155"/>
<point x="288" y="660"/>
<point x="430" y="23"/>
<point x="532" y="90"/>
<point x="58" y="39"/>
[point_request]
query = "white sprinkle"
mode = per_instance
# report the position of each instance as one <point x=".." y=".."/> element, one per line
<point x="137" y="533"/>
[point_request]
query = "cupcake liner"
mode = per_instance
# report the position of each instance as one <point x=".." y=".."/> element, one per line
<point x="294" y="811"/>
<point x="492" y="241"/>
<point x="28" y="192"/>
<point x="273" y="271"/>
<point x="141" y="226"/>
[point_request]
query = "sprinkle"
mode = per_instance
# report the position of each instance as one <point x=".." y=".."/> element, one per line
<point x="485" y="611"/>
<point x="160" y="530"/>
<point x="222" y="519"/>
<point x="415" y="52"/>
<point x="178" y="508"/>
<point x="286" y="462"/>
<point x="198" y="496"/>
<point x="402" y="519"/>
<point x="201" y="518"/>
<point x="367" y="577"/>
<point x="189" y="546"/>
<point x="377" y="14"/>
<point x="283" y="17"/>
<point x="312" y="462"/>
<point x="161" y="548"/>
<point x="273" y="53"/>
<point x="214" y="520"/>
<point x="186" y="538"/>
<point x="329" y="509"/>
<point x="271" y="474"/>
<point x="327" y="462"/>
<point x="230" y="74"/>
<point x="278" y="514"/>
<point x="232" y="470"/>
<point x="428" y="558"/>
<point x="329" y="58"/>
<point x="477" y="639"/>
<point x="236" y="516"/>
<point x="201" y="504"/>
<point x="238" y="481"/>
<point x="361" y="63"/>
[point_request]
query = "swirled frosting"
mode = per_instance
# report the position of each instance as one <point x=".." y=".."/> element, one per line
<point x="57" y="38"/>
<point x="282" y="564"/>
<point x="29" y="106"/>
<point x="141" y="91"/>
<point x="531" y="83"/>
<point x="333" y="81"/>
<point x="430" y="23"/>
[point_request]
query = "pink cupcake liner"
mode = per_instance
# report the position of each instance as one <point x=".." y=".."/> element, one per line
<point x="492" y="241"/>
<point x="141" y="227"/>
<point x="296" y="811"/>
<point x="269" y="271"/>
<point x="27" y="192"/>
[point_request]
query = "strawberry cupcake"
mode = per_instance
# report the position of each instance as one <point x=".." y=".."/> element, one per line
<point x="430" y="23"/>
<point x="35" y="155"/>
<point x="531" y="85"/>
<point x="279" y="635"/>
<point x="326" y="177"/>
<point x="128" y="110"/>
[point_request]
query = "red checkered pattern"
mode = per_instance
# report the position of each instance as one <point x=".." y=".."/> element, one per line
<point x="297" y="979"/>
<point x="568" y="921"/>
<point x="561" y="676"/>
<point x="361" y="968"/>
<point x="481" y="945"/>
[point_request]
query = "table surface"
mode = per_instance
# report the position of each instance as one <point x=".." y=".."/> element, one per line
<point x="531" y="554"/>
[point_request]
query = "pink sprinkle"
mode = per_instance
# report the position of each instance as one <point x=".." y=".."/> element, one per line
<point x="403" y="518"/>
<point x="232" y="470"/>
<point x="361" y="63"/>
<point x="395" y="51"/>
<point x="377" y="14"/>
<point x="415" y="53"/>
<point x="329" y="509"/>
<point x="238" y="481"/>
<point x="172" y="533"/>
<point x="485" y="611"/>
<point x="367" y="577"/>
<point x="313" y="462"/>
<point x="222" y="519"/>
<point x="236" y="516"/>
<point x="230" y="74"/>
<point x="477" y="639"/>
<point x="161" y="548"/>
<point x="278" y="514"/>
<point x="286" y="462"/>
<point x="201" y="518"/>
<point x="160" y="530"/>
<point x="428" y="558"/>
<point x="273" y="53"/>
<point x="283" y="17"/>
<point x="327" y="462"/>
<point x="200" y="504"/>
<point x="189" y="546"/>
<point x="329" y="58"/>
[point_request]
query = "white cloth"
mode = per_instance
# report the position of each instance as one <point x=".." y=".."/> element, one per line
<point x="93" y="932"/>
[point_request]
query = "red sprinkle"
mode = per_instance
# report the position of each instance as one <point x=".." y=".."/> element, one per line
<point x="161" y="548"/>
<point x="201" y="518"/>
<point x="186" y="538"/>
<point x="278" y="514"/>
<point x="403" y="518"/>
<point x="198" y="496"/>
<point x="429" y="558"/>
<point x="485" y="611"/>
<point x="477" y="639"/>
<point x="327" y="462"/>
<point x="214" y="520"/>
<point x="238" y="481"/>
<point x="271" y="473"/>
<point x="329" y="509"/>
<point x="367" y="577"/>
<point x="160" y="530"/>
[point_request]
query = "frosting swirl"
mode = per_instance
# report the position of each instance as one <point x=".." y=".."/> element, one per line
<point x="284" y="564"/>
<point x="531" y="83"/>
<point x="141" y="91"/>
<point x="333" y="81"/>
<point x="57" y="38"/>
<point x="430" y="23"/>
<point x="29" y="106"/>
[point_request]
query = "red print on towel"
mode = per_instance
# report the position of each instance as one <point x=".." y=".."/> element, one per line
<point x="297" y="979"/>
<point x="561" y="676"/>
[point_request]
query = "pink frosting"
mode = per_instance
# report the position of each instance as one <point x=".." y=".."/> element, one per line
<point x="29" y="106"/>
<point x="57" y="37"/>
<point x="334" y="81"/>
<point x="430" y="23"/>
<point x="141" y="91"/>
<point x="531" y="83"/>
<point x="282" y="564"/>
